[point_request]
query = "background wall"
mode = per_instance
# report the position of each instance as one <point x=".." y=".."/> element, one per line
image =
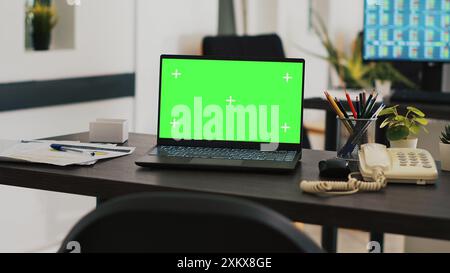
<point x="166" y="27"/>
<point x="104" y="44"/>
<point x="291" y="20"/>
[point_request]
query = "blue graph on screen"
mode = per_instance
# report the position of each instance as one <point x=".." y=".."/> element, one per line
<point x="412" y="30"/>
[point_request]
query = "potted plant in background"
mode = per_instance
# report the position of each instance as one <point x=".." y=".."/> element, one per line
<point x="445" y="148"/>
<point x="383" y="75"/>
<point x="351" y="69"/>
<point x="43" y="20"/>
<point x="402" y="130"/>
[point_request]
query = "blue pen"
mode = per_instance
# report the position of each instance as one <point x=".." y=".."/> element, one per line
<point x="62" y="148"/>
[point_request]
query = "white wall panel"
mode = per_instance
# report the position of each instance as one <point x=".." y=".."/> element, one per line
<point x="163" y="27"/>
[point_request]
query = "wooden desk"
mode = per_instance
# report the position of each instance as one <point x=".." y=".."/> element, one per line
<point x="402" y="209"/>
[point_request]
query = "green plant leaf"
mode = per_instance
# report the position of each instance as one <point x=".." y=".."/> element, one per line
<point x="388" y="111"/>
<point x="386" y="122"/>
<point x="414" y="129"/>
<point x="447" y="131"/>
<point x="416" y="111"/>
<point x="444" y="140"/>
<point x="408" y="123"/>
<point x="422" y="121"/>
<point x="397" y="133"/>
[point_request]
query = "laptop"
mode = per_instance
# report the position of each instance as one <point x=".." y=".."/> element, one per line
<point x="229" y="113"/>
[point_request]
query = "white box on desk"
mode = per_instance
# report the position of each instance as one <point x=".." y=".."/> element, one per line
<point x="108" y="131"/>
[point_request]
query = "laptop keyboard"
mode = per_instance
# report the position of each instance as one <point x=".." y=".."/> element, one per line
<point x="226" y="153"/>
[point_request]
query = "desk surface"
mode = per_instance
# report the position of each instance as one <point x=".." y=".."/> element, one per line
<point x="410" y="210"/>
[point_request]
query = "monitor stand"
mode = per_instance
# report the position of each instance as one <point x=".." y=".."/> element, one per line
<point x="428" y="76"/>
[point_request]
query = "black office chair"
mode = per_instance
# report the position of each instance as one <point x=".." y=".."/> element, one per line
<point x="262" y="46"/>
<point x="186" y="223"/>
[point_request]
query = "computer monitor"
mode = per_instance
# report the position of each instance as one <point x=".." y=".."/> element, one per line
<point x="229" y="100"/>
<point x="407" y="30"/>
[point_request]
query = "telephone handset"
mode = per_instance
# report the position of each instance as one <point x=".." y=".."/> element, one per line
<point x="379" y="165"/>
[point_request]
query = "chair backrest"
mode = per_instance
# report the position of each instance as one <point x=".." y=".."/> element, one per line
<point x="269" y="46"/>
<point x="186" y="223"/>
<point x="262" y="46"/>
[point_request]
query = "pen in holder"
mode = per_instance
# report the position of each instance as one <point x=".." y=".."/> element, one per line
<point x="349" y="141"/>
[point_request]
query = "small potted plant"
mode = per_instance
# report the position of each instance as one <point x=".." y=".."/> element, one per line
<point x="383" y="75"/>
<point x="402" y="130"/>
<point x="445" y="149"/>
<point x="43" y="20"/>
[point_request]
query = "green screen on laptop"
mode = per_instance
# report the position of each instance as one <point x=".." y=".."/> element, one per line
<point x="228" y="100"/>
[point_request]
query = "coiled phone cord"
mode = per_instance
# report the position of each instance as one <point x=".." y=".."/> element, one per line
<point x="352" y="186"/>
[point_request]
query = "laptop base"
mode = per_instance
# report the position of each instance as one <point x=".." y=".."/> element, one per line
<point x="158" y="161"/>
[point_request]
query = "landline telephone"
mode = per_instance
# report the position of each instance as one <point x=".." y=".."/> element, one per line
<point x="378" y="166"/>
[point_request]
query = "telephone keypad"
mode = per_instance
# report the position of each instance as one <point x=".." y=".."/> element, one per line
<point x="414" y="160"/>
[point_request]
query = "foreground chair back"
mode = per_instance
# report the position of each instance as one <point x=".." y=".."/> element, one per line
<point x="185" y="223"/>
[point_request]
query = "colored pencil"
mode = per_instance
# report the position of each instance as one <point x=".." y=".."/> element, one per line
<point x="341" y="107"/>
<point x="350" y="104"/>
<point x="338" y="112"/>
<point x="370" y="107"/>
<point x="361" y="100"/>
<point x="358" y="107"/>
<point x="351" y="143"/>
<point x="364" y="97"/>
<point x="368" y="102"/>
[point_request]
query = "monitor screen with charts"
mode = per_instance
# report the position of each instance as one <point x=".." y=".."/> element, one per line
<point x="407" y="30"/>
<point x="231" y="100"/>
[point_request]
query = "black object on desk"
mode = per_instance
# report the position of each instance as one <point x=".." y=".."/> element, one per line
<point x="187" y="223"/>
<point x="399" y="209"/>
<point x="334" y="169"/>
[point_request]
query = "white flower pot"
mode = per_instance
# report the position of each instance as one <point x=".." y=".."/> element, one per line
<point x="445" y="156"/>
<point x="383" y="87"/>
<point x="405" y="143"/>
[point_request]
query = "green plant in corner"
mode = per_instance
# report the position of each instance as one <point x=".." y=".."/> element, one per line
<point x="386" y="72"/>
<point x="445" y="137"/>
<point x="351" y="70"/>
<point x="444" y="148"/>
<point x="401" y="127"/>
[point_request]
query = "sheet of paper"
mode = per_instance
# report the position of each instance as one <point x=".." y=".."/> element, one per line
<point x="40" y="152"/>
<point x="6" y="144"/>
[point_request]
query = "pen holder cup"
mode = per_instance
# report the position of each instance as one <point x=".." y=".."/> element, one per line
<point x="352" y="134"/>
